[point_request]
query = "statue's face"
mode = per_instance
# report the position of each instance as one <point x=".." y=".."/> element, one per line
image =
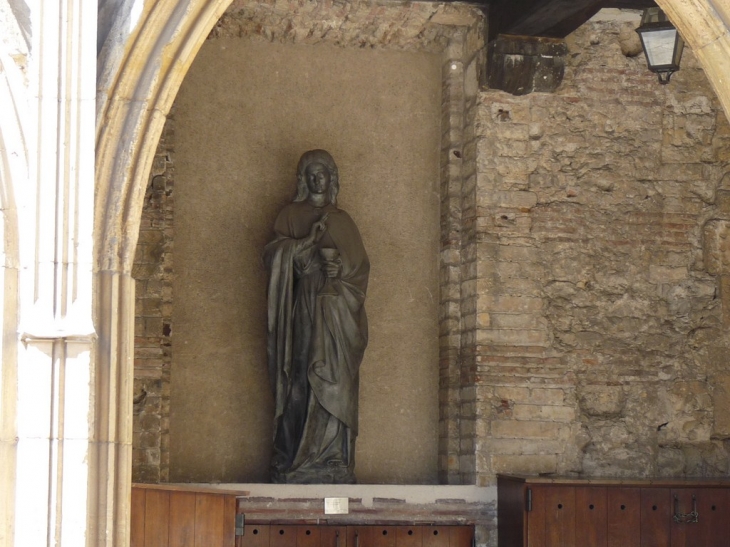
<point x="318" y="178"/>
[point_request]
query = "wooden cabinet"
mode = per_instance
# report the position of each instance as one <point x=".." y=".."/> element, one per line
<point x="171" y="518"/>
<point x="180" y="516"/>
<point x="302" y="535"/>
<point x="542" y="512"/>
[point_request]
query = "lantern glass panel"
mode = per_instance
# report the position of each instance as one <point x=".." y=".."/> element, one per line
<point x="659" y="46"/>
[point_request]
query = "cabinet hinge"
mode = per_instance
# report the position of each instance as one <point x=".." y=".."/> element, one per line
<point x="529" y="499"/>
<point x="240" y="524"/>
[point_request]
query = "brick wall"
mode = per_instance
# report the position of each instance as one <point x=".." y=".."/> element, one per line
<point x="153" y="319"/>
<point x="600" y="336"/>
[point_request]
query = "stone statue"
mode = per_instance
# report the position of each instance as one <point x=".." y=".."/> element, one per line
<point x="317" y="329"/>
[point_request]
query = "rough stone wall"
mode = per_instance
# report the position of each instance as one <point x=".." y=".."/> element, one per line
<point x="601" y="340"/>
<point x="153" y="319"/>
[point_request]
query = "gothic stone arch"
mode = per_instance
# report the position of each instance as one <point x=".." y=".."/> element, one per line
<point x="135" y="101"/>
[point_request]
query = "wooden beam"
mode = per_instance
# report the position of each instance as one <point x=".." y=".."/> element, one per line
<point x="630" y="4"/>
<point x="549" y="18"/>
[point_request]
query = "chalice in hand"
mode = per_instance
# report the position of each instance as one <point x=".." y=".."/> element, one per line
<point x="329" y="256"/>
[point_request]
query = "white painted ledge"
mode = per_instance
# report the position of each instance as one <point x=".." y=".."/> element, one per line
<point x="412" y="494"/>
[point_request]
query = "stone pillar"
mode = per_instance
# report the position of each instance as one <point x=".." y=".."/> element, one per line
<point x="47" y="388"/>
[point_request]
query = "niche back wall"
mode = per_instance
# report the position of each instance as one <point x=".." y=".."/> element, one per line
<point x="244" y="114"/>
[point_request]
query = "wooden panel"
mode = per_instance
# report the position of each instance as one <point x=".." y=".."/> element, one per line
<point x="560" y="516"/>
<point x="409" y="536"/>
<point x="383" y="536"/>
<point x="436" y="536"/>
<point x="283" y="536"/>
<point x="461" y="536"/>
<point x="511" y="509"/>
<point x="623" y="512"/>
<point x="210" y="520"/>
<point x="360" y="536"/>
<point x="308" y="536"/>
<point x="182" y="519"/>
<point x="229" y="520"/>
<point x="333" y="536"/>
<point x="156" y="518"/>
<point x="712" y="527"/>
<point x="591" y="526"/>
<point x="656" y="515"/>
<point x="537" y="516"/>
<point x="137" y="518"/>
<point x="681" y="533"/>
<point x="255" y="535"/>
<point x="713" y="506"/>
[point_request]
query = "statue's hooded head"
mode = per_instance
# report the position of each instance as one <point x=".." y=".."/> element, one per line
<point x="322" y="157"/>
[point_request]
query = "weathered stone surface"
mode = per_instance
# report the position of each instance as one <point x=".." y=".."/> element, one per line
<point x="716" y="246"/>
<point x="603" y="401"/>
<point x="721" y="405"/>
<point x="626" y="176"/>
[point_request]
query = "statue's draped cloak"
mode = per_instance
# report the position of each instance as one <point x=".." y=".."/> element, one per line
<point x="315" y="342"/>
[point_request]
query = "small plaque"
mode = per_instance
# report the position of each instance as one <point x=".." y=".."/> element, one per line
<point x="336" y="506"/>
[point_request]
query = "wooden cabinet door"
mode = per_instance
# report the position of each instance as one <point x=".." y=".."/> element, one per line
<point x="551" y="523"/>
<point x="183" y="507"/>
<point x="333" y="536"/>
<point x="623" y="517"/>
<point x="713" y="507"/>
<point x="656" y="516"/>
<point x="461" y="536"/>
<point x="383" y="536"/>
<point x="591" y="527"/>
<point x="283" y="535"/>
<point x="309" y="536"/>
<point x="173" y="518"/>
<point x="409" y="536"/>
<point x="712" y="526"/>
<point x="255" y="535"/>
<point x="438" y="536"/>
<point x="371" y="536"/>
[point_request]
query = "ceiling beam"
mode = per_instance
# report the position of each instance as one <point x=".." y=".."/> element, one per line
<point x="549" y="18"/>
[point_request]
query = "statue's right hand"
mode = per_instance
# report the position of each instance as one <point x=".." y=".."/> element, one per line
<point x="318" y="228"/>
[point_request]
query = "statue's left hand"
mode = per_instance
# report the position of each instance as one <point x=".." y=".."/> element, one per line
<point x="333" y="268"/>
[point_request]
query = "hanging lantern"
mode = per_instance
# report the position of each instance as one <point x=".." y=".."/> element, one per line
<point x="662" y="43"/>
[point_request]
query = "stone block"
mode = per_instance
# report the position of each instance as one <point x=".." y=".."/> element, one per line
<point x="525" y="429"/>
<point x="721" y="405"/>
<point x="513" y="337"/>
<point x="525" y="464"/>
<point x="723" y="201"/>
<point x="564" y="414"/>
<point x="535" y="396"/>
<point x="509" y="200"/>
<point x="519" y="446"/>
<point x="663" y="274"/>
<point x="602" y="401"/>
<point x="511" y="304"/>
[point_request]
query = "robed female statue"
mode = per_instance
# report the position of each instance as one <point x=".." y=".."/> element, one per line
<point x="317" y="329"/>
